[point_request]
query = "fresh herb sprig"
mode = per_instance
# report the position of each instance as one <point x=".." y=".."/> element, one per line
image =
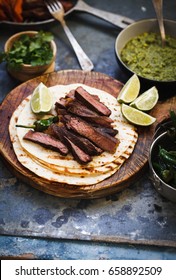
<point x="165" y="161"/>
<point x="35" y="50"/>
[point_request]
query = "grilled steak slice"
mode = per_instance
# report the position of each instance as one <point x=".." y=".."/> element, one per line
<point x="89" y="147"/>
<point x="61" y="112"/>
<point x="100" y="120"/>
<point x="91" y="102"/>
<point x="47" y="141"/>
<point x="58" y="132"/>
<point x="72" y="95"/>
<point x="100" y="139"/>
<point x="77" y="153"/>
<point x="61" y="104"/>
<point x="96" y="97"/>
<point x="111" y="131"/>
<point x="83" y="143"/>
<point x="77" y="108"/>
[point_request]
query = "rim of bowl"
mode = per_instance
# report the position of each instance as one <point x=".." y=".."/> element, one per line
<point x="150" y="160"/>
<point x="123" y="31"/>
<point x="17" y="35"/>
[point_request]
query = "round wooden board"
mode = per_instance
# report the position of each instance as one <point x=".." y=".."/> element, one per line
<point x="127" y="174"/>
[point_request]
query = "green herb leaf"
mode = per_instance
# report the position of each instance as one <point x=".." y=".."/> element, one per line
<point x="35" y="50"/>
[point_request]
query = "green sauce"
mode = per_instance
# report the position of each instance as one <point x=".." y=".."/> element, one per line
<point x="145" y="56"/>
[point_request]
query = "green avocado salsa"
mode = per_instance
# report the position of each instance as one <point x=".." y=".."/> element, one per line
<point x="145" y="56"/>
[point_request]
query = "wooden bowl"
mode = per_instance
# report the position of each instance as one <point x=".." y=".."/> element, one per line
<point x="27" y="71"/>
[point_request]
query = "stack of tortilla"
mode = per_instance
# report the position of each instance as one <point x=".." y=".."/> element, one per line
<point x="52" y="166"/>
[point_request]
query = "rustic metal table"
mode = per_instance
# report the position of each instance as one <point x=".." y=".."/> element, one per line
<point x="134" y="224"/>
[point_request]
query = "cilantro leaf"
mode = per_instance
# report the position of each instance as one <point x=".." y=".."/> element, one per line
<point x="35" y="50"/>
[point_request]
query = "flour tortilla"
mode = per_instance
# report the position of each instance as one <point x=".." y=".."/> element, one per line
<point x="30" y="163"/>
<point x="51" y="165"/>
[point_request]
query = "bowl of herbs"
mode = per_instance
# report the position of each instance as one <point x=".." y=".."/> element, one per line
<point x="162" y="160"/>
<point x="29" y="54"/>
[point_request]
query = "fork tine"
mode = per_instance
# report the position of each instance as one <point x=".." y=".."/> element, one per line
<point x="53" y="5"/>
<point x="58" y="4"/>
<point x="48" y="4"/>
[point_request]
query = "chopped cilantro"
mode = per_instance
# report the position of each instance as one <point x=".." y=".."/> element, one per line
<point x="35" y="50"/>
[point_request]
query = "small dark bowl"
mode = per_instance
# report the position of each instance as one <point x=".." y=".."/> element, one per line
<point x="165" y="88"/>
<point x="162" y="188"/>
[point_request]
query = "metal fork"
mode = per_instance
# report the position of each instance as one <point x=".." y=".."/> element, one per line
<point x="57" y="11"/>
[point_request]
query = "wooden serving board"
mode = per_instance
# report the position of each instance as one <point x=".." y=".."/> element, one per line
<point x="127" y="174"/>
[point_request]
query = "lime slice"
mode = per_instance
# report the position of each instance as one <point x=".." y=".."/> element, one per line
<point x="136" y="117"/>
<point x="41" y="100"/>
<point x="147" y="100"/>
<point x="130" y="90"/>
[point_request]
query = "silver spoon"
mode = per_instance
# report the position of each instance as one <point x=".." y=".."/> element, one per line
<point x="158" y="6"/>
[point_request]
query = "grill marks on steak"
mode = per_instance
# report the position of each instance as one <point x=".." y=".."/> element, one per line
<point x="72" y="142"/>
<point x="47" y="141"/>
<point x="109" y="130"/>
<point x="83" y="143"/>
<point x="79" y="109"/>
<point x="85" y="115"/>
<point x="99" y="138"/>
<point x="89" y="100"/>
<point x="77" y="153"/>
<point x="84" y="128"/>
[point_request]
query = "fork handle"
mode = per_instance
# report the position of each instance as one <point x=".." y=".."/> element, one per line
<point x="85" y="62"/>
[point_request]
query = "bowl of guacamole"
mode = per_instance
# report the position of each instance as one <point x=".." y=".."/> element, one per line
<point x="139" y="50"/>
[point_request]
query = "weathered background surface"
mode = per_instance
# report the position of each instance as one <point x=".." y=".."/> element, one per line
<point x="36" y="225"/>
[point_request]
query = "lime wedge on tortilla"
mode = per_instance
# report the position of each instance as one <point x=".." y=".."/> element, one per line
<point x="147" y="100"/>
<point x="130" y="90"/>
<point x="41" y="100"/>
<point x="136" y="117"/>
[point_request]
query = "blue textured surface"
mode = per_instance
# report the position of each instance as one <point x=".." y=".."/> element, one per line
<point x="138" y="214"/>
<point x="77" y="250"/>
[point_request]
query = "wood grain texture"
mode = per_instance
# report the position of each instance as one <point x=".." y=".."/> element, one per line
<point x="127" y="174"/>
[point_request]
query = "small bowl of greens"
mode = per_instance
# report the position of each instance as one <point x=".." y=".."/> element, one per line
<point x="162" y="161"/>
<point x="139" y="50"/>
<point x="29" y="54"/>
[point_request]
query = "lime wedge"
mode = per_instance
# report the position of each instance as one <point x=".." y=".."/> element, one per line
<point x="147" y="100"/>
<point x="136" y="117"/>
<point x="130" y="90"/>
<point x="41" y="100"/>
